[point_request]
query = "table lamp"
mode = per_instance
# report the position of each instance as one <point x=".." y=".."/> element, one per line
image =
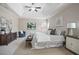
<point x="71" y="26"/>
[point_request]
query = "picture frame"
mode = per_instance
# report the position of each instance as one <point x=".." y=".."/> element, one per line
<point x="31" y="25"/>
<point x="59" y="22"/>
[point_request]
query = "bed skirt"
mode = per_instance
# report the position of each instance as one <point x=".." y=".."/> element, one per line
<point x="41" y="45"/>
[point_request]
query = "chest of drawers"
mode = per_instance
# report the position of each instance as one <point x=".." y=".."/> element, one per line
<point x="5" y="39"/>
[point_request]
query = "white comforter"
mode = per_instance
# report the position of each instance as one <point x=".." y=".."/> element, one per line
<point x="42" y="40"/>
<point x="42" y="37"/>
<point x="57" y="38"/>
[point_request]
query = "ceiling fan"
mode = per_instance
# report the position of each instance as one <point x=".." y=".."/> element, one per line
<point x="30" y="8"/>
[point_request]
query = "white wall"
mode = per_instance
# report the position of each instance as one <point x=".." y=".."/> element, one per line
<point x="70" y="14"/>
<point x="12" y="17"/>
<point x="9" y="15"/>
<point x="40" y="24"/>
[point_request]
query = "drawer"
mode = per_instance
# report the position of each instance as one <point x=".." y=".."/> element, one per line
<point x="0" y="41"/>
<point x="72" y="44"/>
<point x="75" y="46"/>
<point x="68" y="43"/>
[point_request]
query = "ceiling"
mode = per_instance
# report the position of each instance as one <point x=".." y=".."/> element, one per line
<point x="47" y="9"/>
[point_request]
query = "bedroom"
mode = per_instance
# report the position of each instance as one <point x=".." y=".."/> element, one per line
<point x="47" y="24"/>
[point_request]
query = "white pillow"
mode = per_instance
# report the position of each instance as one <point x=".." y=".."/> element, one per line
<point x="58" y="32"/>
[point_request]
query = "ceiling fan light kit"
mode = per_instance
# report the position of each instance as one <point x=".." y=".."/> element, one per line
<point x="31" y="8"/>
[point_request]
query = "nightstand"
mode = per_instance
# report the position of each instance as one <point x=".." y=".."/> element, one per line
<point x="72" y="43"/>
<point x="28" y="41"/>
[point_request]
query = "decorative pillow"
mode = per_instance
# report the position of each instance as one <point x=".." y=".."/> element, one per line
<point x="58" y="32"/>
<point x="63" y="33"/>
<point x="53" y="32"/>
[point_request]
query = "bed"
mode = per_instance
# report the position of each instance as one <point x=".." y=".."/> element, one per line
<point x="42" y="40"/>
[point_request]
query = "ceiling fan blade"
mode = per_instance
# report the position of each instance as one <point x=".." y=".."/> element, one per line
<point x="27" y="6"/>
<point x="38" y="7"/>
<point x="30" y="9"/>
<point x="35" y="10"/>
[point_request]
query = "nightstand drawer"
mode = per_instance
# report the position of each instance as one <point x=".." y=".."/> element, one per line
<point x="72" y="44"/>
<point x="68" y="43"/>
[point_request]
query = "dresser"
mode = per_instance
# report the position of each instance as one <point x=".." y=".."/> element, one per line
<point x="72" y="43"/>
<point x="6" y="38"/>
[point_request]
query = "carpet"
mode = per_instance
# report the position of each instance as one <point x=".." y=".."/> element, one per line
<point x="24" y="50"/>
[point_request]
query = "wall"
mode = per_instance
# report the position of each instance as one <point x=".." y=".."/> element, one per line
<point x="40" y="24"/>
<point x="12" y="17"/>
<point x="9" y="15"/>
<point x="70" y="14"/>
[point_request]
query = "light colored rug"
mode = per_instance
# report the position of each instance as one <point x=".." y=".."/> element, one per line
<point x="23" y="50"/>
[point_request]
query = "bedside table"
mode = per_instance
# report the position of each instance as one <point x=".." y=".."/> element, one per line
<point x="28" y="41"/>
<point x="72" y="44"/>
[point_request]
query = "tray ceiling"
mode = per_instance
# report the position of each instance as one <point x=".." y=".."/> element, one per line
<point x="47" y="9"/>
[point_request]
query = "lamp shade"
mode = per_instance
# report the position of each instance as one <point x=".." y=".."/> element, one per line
<point x="71" y="25"/>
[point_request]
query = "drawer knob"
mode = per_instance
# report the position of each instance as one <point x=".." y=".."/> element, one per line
<point x="71" y="43"/>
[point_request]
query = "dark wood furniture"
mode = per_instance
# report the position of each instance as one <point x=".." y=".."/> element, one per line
<point x="28" y="41"/>
<point x="6" y="38"/>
